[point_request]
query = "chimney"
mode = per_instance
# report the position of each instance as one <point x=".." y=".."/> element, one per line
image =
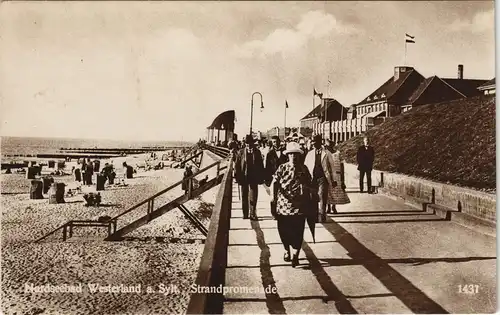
<point x="460" y="72"/>
<point x="399" y="70"/>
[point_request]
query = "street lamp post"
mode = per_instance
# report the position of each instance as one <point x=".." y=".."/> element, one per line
<point x="251" y="109"/>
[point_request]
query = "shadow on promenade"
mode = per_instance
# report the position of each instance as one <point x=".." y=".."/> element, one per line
<point x="416" y="300"/>
<point x="342" y="304"/>
<point x="273" y="301"/>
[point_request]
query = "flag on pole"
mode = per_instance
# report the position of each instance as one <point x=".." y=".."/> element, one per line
<point x="409" y="38"/>
<point x="317" y="94"/>
<point x="286" y="104"/>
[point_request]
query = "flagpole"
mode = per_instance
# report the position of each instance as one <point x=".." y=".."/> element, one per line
<point x="405" y="52"/>
<point x="314" y="89"/>
<point x="285" y="117"/>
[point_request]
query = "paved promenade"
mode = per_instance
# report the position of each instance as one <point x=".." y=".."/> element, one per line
<point x="377" y="255"/>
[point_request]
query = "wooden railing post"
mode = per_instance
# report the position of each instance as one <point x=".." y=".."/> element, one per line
<point x="71" y="229"/>
<point x="151" y="205"/>
<point x="64" y="232"/>
<point x="149" y="208"/>
<point x="190" y="187"/>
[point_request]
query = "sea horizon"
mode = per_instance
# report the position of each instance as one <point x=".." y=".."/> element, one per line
<point x="10" y="145"/>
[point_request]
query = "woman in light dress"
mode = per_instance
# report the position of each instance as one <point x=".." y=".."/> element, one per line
<point x="337" y="195"/>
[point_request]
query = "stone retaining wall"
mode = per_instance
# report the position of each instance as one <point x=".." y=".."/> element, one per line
<point x="472" y="202"/>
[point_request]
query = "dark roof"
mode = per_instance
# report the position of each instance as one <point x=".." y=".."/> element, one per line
<point x="418" y="92"/>
<point x="467" y="87"/>
<point x="225" y="121"/>
<point x="331" y="104"/>
<point x="314" y="113"/>
<point x="391" y="87"/>
<point x="433" y="90"/>
<point x="487" y="84"/>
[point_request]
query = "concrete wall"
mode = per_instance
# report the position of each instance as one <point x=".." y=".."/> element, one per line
<point x="472" y="202"/>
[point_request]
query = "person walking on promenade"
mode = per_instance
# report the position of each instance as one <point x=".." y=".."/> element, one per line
<point x="329" y="146"/>
<point x="320" y="165"/>
<point x="291" y="191"/>
<point x="337" y="195"/>
<point x="302" y="143"/>
<point x="249" y="173"/>
<point x="274" y="158"/>
<point x="365" y="158"/>
<point x="233" y="146"/>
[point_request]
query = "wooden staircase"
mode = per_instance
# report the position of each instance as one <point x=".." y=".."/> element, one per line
<point x="152" y="213"/>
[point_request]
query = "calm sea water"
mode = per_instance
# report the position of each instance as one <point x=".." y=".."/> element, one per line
<point x="27" y="145"/>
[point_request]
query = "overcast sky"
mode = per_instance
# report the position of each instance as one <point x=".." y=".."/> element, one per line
<point x="165" y="70"/>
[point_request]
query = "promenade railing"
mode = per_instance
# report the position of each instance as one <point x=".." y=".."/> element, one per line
<point x="222" y="152"/>
<point x="212" y="270"/>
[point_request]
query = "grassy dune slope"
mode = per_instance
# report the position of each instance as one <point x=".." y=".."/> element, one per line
<point x="451" y="142"/>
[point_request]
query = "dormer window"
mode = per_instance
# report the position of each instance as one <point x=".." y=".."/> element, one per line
<point x="368" y="98"/>
<point x="375" y="97"/>
<point x="383" y="95"/>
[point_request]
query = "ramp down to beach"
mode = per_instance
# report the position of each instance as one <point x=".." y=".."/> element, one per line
<point x="136" y="215"/>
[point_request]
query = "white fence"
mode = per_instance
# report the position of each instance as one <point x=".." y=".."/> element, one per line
<point x="343" y="130"/>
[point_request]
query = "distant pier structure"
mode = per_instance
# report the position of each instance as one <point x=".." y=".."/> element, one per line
<point x="222" y="128"/>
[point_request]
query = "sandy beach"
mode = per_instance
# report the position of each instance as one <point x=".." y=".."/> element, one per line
<point x="147" y="257"/>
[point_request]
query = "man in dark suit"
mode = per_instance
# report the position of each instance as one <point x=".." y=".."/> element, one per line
<point x="274" y="158"/>
<point x="249" y="173"/>
<point x="302" y="144"/>
<point x="365" y="158"/>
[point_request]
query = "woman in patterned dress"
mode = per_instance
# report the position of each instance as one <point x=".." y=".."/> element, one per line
<point x="291" y="192"/>
<point x="337" y="194"/>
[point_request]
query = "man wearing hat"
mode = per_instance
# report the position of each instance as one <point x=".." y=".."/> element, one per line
<point x="302" y="144"/>
<point x="249" y="173"/>
<point x="319" y="162"/>
<point x="274" y="158"/>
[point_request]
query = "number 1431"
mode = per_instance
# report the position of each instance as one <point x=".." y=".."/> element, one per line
<point x="468" y="288"/>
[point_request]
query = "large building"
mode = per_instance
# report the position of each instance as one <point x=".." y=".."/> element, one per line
<point x="386" y="100"/>
<point x="406" y="89"/>
<point x="329" y="108"/>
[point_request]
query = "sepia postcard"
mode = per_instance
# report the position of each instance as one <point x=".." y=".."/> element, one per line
<point x="248" y="157"/>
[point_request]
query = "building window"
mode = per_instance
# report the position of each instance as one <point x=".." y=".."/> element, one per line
<point x="383" y="95"/>
<point x="375" y="97"/>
